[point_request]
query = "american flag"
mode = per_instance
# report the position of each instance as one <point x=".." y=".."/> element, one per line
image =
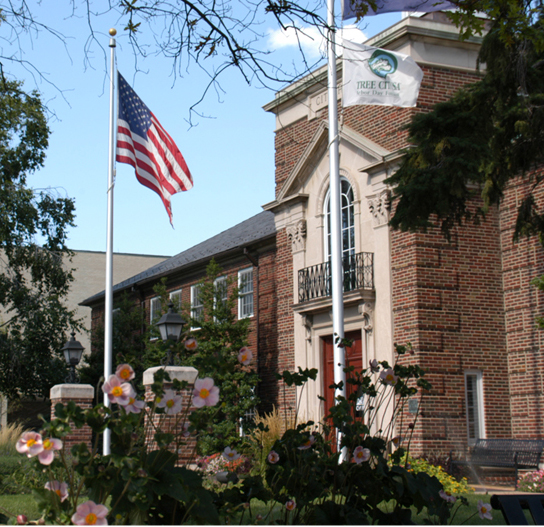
<point x="143" y="143"/>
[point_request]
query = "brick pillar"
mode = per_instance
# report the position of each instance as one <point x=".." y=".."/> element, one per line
<point x="172" y="423"/>
<point x="82" y="395"/>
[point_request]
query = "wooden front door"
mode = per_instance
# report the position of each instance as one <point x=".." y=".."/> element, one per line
<point x="354" y="357"/>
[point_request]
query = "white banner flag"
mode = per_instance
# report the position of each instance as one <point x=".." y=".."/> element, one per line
<point x="378" y="76"/>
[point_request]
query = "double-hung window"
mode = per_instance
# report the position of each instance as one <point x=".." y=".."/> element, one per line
<point x="475" y="406"/>
<point x="221" y="293"/>
<point x="197" y="308"/>
<point x="155" y="312"/>
<point x="155" y="307"/>
<point x="175" y="298"/>
<point x="245" y="292"/>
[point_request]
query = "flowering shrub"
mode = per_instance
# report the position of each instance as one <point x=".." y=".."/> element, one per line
<point x="532" y="482"/>
<point x="142" y="486"/>
<point x="451" y="485"/>
<point x="314" y="476"/>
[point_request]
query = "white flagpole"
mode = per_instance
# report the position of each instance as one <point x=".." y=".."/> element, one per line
<point x="336" y="238"/>
<point x="108" y="327"/>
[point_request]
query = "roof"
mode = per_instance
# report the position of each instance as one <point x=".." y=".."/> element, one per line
<point x="250" y="231"/>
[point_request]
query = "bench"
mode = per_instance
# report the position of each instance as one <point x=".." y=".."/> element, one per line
<point x="503" y="453"/>
<point x="512" y="506"/>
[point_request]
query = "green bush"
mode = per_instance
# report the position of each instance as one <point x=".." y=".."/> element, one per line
<point x="19" y="475"/>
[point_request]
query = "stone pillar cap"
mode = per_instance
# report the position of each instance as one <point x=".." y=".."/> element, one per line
<point x="181" y="373"/>
<point x="72" y="391"/>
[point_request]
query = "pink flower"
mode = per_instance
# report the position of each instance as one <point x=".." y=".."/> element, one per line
<point x="447" y="496"/>
<point x="374" y="366"/>
<point x="230" y="454"/>
<point x="30" y="443"/>
<point x="47" y="455"/>
<point x="171" y="402"/>
<point x="191" y="344"/>
<point x="307" y="444"/>
<point x="134" y="406"/>
<point x="388" y="377"/>
<point x="117" y="392"/>
<point x="89" y="513"/>
<point x="125" y="372"/>
<point x="290" y="505"/>
<point x="205" y="393"/>
<point x="484" y="510"/>
<point x="60" y="489"/>
<point x="186" y="432"/>
<point x="245" y="356"/>
<point x="361" y="454"/>
<point x="273" y="457"/>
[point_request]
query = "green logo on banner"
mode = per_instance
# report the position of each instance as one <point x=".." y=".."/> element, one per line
<point x="382" y="63"/>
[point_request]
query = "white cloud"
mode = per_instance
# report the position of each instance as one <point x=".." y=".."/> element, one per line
<point x="311" y="39"/>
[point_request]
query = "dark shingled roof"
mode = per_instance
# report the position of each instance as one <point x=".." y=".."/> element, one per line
<point x="250" y="231"/>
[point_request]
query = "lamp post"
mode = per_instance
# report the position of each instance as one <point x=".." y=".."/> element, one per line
<point x="170" y="326"/>
<point x="73" y="350"/>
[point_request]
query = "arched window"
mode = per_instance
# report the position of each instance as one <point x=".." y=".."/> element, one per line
<point x="347" y="218"/>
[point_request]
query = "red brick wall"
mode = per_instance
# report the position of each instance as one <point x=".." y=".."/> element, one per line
<point x="523" y="261"/>
<point x="78" y="435"/>
<point x="447" y="301"/>
<point x="172" y="424"/>
<point x="283" y="358"/>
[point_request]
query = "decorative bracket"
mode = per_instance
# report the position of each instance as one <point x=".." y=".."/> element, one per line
<point x="380" y="207"/>
<point x="297" y="234"/>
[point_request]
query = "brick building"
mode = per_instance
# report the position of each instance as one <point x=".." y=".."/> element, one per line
<point x="246" y="253"/>
<point x="466" y="305"/>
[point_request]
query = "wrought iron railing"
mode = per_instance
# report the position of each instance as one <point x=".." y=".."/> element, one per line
<point x="315" y="281"/>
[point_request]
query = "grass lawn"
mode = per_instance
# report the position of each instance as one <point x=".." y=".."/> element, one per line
<point x="24" y="504"/>
<point x="19" y="504"/>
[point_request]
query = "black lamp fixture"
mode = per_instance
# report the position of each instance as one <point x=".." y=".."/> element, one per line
<point x="73" y="350"/>
<point x="170" y="324"/>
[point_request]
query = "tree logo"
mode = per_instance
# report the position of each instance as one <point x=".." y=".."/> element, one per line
<point x="382" y="63"/>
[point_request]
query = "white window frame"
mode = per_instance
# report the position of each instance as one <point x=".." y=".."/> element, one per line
<point x="477" y="423"/>
<point x="194" y="307"/>
<point x="243" y="295"/>
<point x="173" y="295"/>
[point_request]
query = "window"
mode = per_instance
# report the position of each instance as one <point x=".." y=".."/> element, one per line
<point x="197" y="308"/>
<point x="248" y="417"/>
<point x="221" y="293"/>
<point x="175" y="298"/>
<point x="475" y="407"/>
<point x="245" y="291"/>
<point x="347" y="229"/>
<point x="155" y="314"/>
<point x="155" y="309"/>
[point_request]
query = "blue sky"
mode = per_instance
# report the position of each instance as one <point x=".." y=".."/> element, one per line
<point x="230" y="153"/>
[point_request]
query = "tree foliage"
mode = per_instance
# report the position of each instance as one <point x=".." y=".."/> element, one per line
<point x="488" y="134"/>
<point x="33" y="277"/>
<point x="220" y="337"/>
<point x="128" y="343"/>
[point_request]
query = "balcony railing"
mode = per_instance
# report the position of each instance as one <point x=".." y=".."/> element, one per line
<point x="315" y="281"/>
